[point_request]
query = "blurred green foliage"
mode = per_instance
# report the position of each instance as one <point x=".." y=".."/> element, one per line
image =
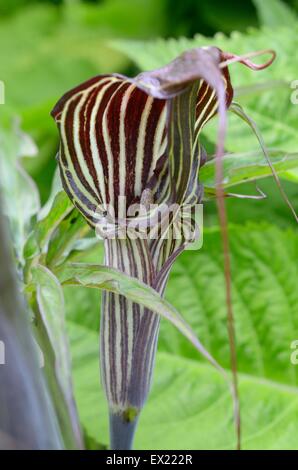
<point x="47" y="49"/>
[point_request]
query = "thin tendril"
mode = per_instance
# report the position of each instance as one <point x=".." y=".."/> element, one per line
<point x="220" y="198"/>
<point x="243" y="59"/>
<point x="237" y="109"/>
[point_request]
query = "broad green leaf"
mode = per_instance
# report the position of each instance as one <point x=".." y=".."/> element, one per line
<point x="264" y="279"/>
<point x="247" y="166"/>
<point x="265" y="299"/>
<point x="102" y="277"/>
<point x="188" y="395"/>
<point x="21" y="198"/>
<point x="50" y="304"/>
<point x="275" y="13"/>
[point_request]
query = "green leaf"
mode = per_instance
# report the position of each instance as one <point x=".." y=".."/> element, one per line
<point x="275" y="13"/>
<point x="102" y="277"/>
<point x="51" y="305"/>
<point x="27" y="416"/>
<point x="21" y="198"/>
<point x="46" y="226"/>
<point x="265" y="299"/>
<point x="58" y="229"/>
<point x="51" y="327"/>
<point x="247" y="166"/>
<point x="188" y="394"/>
<point x="56" y="187"/>
<point x="51" y="215"/>
<point x="71" y="229"/>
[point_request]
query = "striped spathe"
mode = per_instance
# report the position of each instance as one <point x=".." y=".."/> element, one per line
<point x="119" y="138"/>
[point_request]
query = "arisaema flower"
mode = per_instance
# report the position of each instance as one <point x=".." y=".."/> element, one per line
<point x="133" y="143"/>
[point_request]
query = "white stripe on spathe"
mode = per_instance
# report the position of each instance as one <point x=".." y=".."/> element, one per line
<point x="140" y="151"/>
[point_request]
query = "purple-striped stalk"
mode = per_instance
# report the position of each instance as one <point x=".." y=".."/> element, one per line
<point x="138" y="139"/>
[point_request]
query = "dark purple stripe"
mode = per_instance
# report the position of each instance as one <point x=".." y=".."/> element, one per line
<point x="69" y="122"/>
<point x="99" y="132"/>
<point x="58" y="108"/>
<point x="113" y="118"/>
<point x="134" y="110"/>
<point x="153" y="118"/>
